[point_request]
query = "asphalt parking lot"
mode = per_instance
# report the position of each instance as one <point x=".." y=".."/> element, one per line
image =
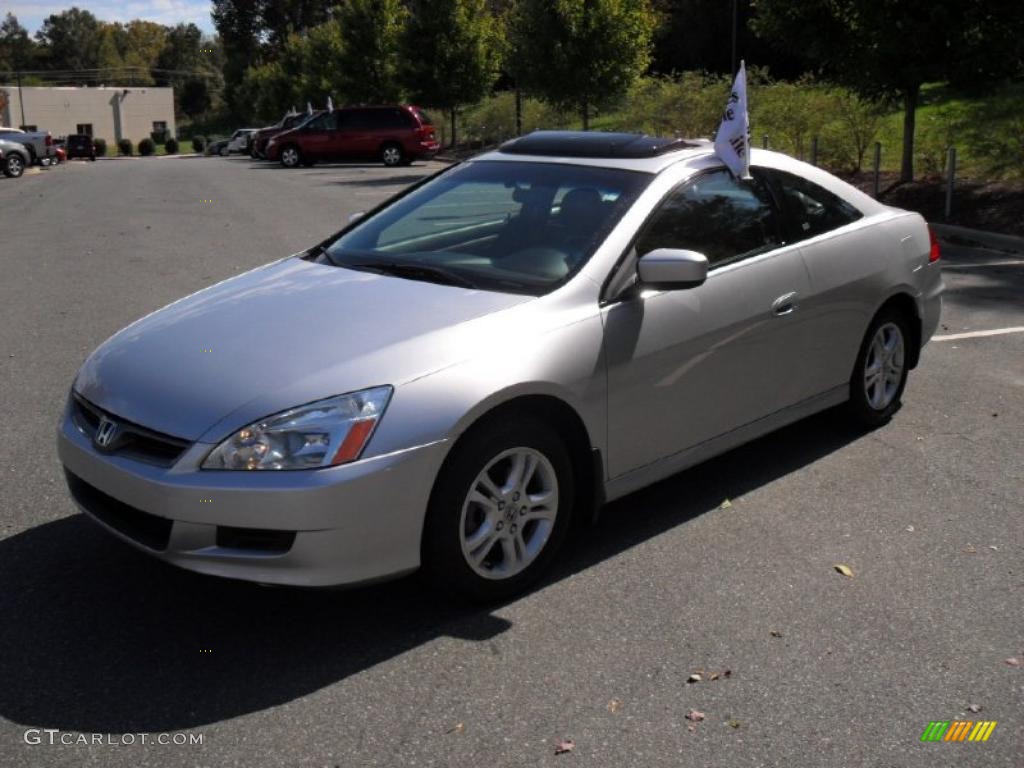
<point x="813" y="668"/>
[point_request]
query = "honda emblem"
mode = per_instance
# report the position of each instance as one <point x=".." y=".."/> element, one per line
<point x="105" y="433"/>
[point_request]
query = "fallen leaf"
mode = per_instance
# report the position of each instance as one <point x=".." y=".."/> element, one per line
<point x="694" y="678"/>
<point x="695" y="715"/>
<point x="714" y="676"/>
<point x="459" y="728"/>
<point x="727" y="673"/>
<point x="1013" y="661"/>
<point x="725" y="504"/>
<point x="993" y="547"/>
<point x="734" y="723"/>
<point x="969" y="549"/>
<point x="909" y="529"/>
<point x="691" y="728"/>
<point x="974" y="708"/>
<point x="614" y="705"/>
<point x="568" y="745"/>
<point x="843" y="569"/>
<point x="775" y="633"/>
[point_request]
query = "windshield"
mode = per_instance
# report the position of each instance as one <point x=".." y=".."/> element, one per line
<point x="502" y="226"/>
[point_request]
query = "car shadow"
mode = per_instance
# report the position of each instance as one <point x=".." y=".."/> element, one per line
<point x="96" y="637"/>
<point x="380" y="181"/>
<point x="275" y="166"/>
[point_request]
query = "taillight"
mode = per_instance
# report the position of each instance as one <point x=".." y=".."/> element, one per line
<point x="933" y="253"/>
<point x="49" y="140"/>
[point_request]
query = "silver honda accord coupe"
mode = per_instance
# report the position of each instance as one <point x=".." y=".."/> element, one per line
<point x="460" y="374"/>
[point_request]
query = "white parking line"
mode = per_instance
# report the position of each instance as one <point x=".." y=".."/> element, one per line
<point x="978" y="334"/>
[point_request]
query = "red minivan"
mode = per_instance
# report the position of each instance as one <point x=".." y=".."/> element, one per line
<point x="395" y="135"/>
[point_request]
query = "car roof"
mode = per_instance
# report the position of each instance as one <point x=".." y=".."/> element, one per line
<point x="659" y="155"/>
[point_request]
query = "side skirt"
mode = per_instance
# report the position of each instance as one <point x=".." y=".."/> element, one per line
<point x="677" y="462"/>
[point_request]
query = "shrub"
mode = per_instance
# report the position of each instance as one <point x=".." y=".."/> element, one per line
<point x="147" y="147"/>
<point x="171" y="146"/>
<point x="124" y="147"/>
<point x="101" y="147"/>
<point x="198" y="143"/>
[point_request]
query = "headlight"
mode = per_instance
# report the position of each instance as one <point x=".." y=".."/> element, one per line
<point x="321" y="434"/>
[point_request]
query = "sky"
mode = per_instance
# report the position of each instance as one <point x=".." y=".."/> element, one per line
<point x="31" y="14"/>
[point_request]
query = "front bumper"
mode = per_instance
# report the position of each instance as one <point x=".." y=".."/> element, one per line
<point x="354" y="523"/>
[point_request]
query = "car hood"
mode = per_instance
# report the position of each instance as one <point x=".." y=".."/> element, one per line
<point x="276" y="337"/>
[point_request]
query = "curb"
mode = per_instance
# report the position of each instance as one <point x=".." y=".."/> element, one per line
<point x="978" y="238"/>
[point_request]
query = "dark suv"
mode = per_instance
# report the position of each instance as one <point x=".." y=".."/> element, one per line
<point x="258" y="146"/>
<point x="80" y="145"/>
<point x="395" y="135"/>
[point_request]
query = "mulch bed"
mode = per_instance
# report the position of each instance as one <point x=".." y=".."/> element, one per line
<point x="993" y="206"/>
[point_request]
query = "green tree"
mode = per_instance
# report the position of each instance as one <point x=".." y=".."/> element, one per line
<point x="17" y="51"/>
<point x="194" y="97"/>
<point x="450" y="54"/>
<point x="71" y="39"/>
<point x="890" y="48"/>
<point x="371" y="33"/>
<point x="583" y="54"/>
<point x="239" y="27"/>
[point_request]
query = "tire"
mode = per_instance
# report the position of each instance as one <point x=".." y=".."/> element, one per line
<point x="92" y="158"/>
<point x="460" y="525"/>
<point x="883" y="356"/>
<point x="224" y="151"/>
<point x="391" y="155"/>
<point x="291" y="156"/>
<point x="14" y="166"/>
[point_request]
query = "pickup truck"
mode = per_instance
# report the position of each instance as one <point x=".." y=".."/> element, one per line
<point x="39" y="144"/>
<point x="14" y="158"/>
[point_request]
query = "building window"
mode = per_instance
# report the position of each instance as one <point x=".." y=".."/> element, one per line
<point x="159" y="126"/>
<point x="85" y="128"/>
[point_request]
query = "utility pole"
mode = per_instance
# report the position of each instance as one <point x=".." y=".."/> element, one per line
<point x="21" y="99"/>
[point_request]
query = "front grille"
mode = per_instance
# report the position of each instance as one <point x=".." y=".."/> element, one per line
<point x="148" y="530"/>
<point x="132" y="441"/>
<point x="255" y="539"/>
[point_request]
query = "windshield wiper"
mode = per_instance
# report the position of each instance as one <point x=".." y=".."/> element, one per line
<point x="425" y="272"/>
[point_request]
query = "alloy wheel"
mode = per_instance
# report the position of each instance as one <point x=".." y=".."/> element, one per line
<point x="392" y="155"/>
<point x="509" y="513"/>
<point x="883" y="366"/>
<point x="290" y="157"/>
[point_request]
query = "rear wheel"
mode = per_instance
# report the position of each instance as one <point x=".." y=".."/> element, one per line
<point x="500" y="510"/>
<point x="224" y="151"/>
<point x="290" y="156"/>
<point x="880" y="373"/>
<point x="13" y="166"/>
<point x="391" y="155"/>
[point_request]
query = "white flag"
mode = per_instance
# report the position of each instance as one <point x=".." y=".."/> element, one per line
<point x="732" y="142"/>
<point x="330" y="104"/>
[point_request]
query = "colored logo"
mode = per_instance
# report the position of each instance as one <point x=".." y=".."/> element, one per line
<point x="958" y="730"/>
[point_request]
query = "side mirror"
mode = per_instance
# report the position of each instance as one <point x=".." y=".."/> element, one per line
<point x="354" y="217"/>
<point x="671" y="269"/>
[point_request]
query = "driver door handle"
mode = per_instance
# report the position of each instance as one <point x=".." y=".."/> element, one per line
<point x="785" y="304"/>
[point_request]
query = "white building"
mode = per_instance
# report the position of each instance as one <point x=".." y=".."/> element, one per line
<point x="109" y="112"/>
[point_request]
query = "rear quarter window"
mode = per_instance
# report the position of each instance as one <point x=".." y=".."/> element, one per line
<point x="811" y="209"/>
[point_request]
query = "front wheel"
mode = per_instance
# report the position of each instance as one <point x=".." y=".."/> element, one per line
<point x="880" y="372"/>
<point x="500" y="510"/>
<point x="291" y="157"/>
<point x="14" y="166"/>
